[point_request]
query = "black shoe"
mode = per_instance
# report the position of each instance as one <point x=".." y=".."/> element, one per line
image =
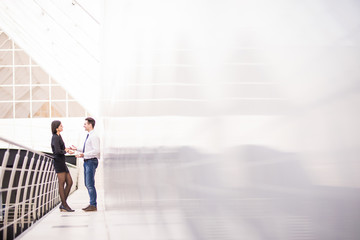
<point x="66" y="209"/>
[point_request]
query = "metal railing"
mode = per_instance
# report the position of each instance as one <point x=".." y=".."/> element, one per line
<point x="28" y="188"/>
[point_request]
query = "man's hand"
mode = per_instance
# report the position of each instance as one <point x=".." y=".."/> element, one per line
<point x="72" y="147"/>
<point x="80" y="155"/>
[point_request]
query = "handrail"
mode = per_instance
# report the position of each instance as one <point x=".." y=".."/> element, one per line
<point x="22" y="146"/>
<point x="28" y="188"/>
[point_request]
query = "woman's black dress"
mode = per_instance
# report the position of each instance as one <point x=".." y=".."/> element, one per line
<point x="58" y="148"/>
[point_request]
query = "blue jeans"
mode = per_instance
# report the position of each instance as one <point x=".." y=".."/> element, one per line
<point x="89" y="177"/>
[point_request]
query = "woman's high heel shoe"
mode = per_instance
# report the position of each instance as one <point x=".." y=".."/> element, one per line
<point x="65" y="209"/>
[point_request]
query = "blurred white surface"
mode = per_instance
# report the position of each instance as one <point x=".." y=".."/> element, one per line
<point x="242" y="115"/>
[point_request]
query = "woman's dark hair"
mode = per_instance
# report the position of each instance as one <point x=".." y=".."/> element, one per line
<point x="91" y="121"/>
<point x="54" y="125"/>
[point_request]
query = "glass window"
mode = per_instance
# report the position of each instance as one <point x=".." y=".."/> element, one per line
<point x="58" y="109"/>
<point x="76" y="110"/>
<point x="58" y="93"/>
<point x="16" y="46"/>
<point x="6" y="58"/>
<point x="22" y="75"/>
<point x="21" y="58"/>
<point x="40" y="92"/>
<point x="5" y="42"/>
<point x="6" y="93"/>
<point x="6" y="110"/>
<point x="31" y="92"/>
<point x="33" y="62"/>
<point x="6" y="74"/>
<point x="22" y="110"/>
<point x="39" y="76"/>
<point x="22" y="93"/>
<point x="40" y="109"/>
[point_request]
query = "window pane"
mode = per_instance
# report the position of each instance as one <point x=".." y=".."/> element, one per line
<point x="33" y="62"/>
<point x="58" y="93"/>
<point x="21" y="58"/>
<point x="76" y="110"/>
<point x="22" y="93"/>
<point x="6" y="58"/>
<point x="22" y="110"/>
<point x="40" y="109"/>
<point x="58" y="109"/>
<point x="6" y="93"/>
<point x="22" y="75"/>
<point x="5" y="42"/>
<point x="6" y="74"/>
<point x="6" y="110"/>
<point x="40" y="93"/>
<point x="39" y="76"/>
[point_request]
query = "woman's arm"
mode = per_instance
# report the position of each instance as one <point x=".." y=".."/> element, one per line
<point x="56" y="144"/>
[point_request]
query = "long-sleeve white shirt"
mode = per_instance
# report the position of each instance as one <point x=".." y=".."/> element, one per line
<point x="92" y="146"/>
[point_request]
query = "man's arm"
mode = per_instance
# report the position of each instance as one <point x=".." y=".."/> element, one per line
<point x="72" y="147"/>
<point x="95" y="143"/>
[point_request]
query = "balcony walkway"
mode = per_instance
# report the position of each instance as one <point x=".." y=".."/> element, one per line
<point x="125" y="224"/>
<point x="120" y="224"/>
<point x="77" y="225"/>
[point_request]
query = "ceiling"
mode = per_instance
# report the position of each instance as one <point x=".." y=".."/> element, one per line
<point x="63" y="38"/>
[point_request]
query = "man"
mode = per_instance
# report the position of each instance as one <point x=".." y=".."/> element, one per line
<point x="91" y="154"/>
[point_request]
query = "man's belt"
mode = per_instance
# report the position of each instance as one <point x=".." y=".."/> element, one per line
<point x="90" y="159"/>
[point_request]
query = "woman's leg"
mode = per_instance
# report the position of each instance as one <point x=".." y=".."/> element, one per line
<point x="61" y="179"/>
<point x="69" y="183"/>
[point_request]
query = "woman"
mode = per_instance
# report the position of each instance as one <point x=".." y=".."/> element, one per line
<point x="63" y="174"/>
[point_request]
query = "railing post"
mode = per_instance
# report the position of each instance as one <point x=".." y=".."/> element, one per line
<point x="49" y="184"/>
<point x="18" y="193"/>
<point x="43" y="183"/>
<point x="46" y="187"/>
<point x="11" y="183"/>
<point x="25" y="192"/>
<point x="32" y="206"/>
<point x="54" y="189"/>
<point x="37" y="186"/>
<point x="3" y="166"/>
<point x="2" y="176"/>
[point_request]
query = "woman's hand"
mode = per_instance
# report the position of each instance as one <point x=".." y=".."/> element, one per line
<point x="68" y="150"/>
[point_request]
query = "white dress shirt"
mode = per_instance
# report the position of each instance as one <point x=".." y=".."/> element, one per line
<point x="92" y="146"/>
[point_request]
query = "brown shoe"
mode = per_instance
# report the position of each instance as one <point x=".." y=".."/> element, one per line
<point x="86" y="207"/>
<point x="91" y="208"/>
